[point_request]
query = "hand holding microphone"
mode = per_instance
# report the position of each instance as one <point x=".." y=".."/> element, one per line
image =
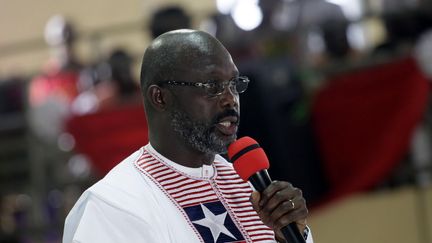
<point x="279" y="205"/>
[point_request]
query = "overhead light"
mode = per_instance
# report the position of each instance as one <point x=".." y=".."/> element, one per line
<point x="247" y="15"/>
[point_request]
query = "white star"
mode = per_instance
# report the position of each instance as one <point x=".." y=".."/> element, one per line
<point x="214" y="222"/>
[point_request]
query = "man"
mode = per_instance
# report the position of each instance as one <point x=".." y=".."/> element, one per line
<point x="177" y="188"/>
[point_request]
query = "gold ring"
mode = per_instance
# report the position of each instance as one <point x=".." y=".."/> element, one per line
<point x="292" y="203"/>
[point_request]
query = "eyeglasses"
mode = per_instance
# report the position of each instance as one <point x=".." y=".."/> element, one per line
<point x="237" y="85"/>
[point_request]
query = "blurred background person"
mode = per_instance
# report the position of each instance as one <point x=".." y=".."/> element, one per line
<point x="170" y="17"/>
<point x="50" y="97"/>
<point x="107" y="85"/>
<point x="52" y="92"/>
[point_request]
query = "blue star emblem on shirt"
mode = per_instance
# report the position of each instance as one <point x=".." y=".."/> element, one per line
<point x="213" y="223"/>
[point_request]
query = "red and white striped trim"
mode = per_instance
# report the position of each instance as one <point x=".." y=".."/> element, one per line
<point x="226" y="186"/>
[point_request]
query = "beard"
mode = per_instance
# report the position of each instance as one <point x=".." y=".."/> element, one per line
<point x="201" y="135"/>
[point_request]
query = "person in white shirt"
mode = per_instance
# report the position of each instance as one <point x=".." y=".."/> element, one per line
<point x="178" y="188"/>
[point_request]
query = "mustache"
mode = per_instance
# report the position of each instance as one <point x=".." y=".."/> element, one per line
<point x="230" y="112"/>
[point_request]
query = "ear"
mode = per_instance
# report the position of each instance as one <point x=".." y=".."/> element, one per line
<point x="157" y="97"/>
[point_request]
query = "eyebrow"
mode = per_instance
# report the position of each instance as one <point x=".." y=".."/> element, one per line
<point x="234" y="74"/>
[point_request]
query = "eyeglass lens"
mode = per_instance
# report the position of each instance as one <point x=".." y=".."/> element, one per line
<point x="236" y="86"/>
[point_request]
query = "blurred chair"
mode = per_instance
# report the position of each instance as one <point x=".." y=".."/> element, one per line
<point x="364" y="121"/>
<point x="109" y="136"/>
<point x="14" y="164"/>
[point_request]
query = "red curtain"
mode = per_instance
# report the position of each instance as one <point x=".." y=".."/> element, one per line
<point x="364" y="121"/>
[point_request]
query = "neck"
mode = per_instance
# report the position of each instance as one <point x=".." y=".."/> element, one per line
<point x="177" y="151"/>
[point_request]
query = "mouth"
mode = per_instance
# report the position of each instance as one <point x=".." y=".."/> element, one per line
<point x="228" y="125"/>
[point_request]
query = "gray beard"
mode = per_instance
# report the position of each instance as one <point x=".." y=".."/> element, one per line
<point x="197" y="134"/>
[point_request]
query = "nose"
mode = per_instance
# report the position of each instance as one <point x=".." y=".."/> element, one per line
<point x="229" y="98"/>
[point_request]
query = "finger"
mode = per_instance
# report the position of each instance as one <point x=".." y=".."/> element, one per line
<point x="274" y="188"/>
<point x="255" y="198"/>
<point x="285" y="197"/>
<point x="296" y="207"/>
<point x="301" y="225"/>
<point x="299" y="216"/>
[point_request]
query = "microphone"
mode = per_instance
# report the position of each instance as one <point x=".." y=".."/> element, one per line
<point x="251" y="163"/>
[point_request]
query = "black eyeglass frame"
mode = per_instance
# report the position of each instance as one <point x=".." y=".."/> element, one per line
<point x="208" y="85"/>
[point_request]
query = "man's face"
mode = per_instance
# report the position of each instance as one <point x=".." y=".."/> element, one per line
<point x="207" y="124"/>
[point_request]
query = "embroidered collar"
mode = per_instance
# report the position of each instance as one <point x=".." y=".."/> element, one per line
<point x="204" y="173"/>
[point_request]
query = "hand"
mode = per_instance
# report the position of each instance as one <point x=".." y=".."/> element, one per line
<point x="280" y="204"/>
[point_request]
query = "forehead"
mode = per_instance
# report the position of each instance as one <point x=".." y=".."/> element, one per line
<point x="191" y="56"/>
<point x="216" y="65"/>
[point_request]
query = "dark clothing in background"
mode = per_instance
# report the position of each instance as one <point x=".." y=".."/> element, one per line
<point x="275" y="112"/>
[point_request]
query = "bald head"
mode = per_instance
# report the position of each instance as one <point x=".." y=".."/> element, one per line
<point x="175" y="53"/>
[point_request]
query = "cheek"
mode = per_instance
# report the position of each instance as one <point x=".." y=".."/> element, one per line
<point x="206" y="110"/>
<point x="199" y="109"/>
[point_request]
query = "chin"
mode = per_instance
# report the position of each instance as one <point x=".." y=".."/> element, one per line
<point x="227" y="140"/>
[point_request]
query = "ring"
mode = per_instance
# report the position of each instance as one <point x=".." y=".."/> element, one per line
<point x="292" y="203"/>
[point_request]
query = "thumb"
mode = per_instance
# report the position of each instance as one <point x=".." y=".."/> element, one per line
<point x="255" y="198"/>
<point x="301" y="225"/>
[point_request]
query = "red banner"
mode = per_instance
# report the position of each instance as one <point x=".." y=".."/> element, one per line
<point x="364" y="121"/>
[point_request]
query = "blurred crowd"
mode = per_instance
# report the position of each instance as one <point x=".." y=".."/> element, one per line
<point x="295" y="52"/>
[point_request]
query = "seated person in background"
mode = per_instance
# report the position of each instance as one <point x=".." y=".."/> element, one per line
<point x="107" y="85"/>
<point x="126" y="87"/>
<point x="178" y="188"/>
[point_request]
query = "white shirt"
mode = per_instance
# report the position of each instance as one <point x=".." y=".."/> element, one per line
<point x="148" y="198"/>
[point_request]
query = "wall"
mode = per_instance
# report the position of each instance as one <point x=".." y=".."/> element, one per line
<point x="400" y="216"/>
<point x="22" y="48"/>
